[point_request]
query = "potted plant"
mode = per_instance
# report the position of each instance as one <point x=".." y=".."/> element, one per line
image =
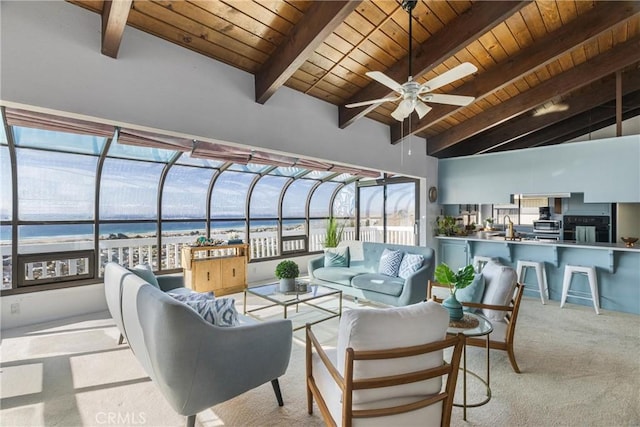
<point x="446" y="226"/>
<point x="459" y="280"/>
<point x="287" y="271"/>
<point x="488" y="224"/>
<point x="333" y="235"/>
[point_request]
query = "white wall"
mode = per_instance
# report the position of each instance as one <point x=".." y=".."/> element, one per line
<point x="36" y="307"/>
<point x="51" y="59"/>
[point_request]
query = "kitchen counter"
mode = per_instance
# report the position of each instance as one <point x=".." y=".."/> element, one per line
<point x="492" y="236"/>
<point x="617" y="266"/>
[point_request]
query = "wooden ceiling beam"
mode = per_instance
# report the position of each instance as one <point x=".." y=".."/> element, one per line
<point x="584" y="125"/>
<point x="474" y="22"/>
<point x="315" y="26"/>
<point x="515" y="131"/>
<point x="620" y="56"/>
<point x="581" y="124"/>
<point x="114" y="18"/>
<point x="578" y="32"/>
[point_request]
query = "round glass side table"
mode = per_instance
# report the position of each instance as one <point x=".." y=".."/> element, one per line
<point x="484" y="328"/>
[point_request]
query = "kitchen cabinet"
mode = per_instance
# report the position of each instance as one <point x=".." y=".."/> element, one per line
<point x="453" y="253"/>
<point x="221" y="269"/>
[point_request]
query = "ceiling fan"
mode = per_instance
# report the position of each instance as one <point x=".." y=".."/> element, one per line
<point x="413" y="94"/>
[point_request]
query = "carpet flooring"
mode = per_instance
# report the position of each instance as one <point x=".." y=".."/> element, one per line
<point x="578" y="369"/>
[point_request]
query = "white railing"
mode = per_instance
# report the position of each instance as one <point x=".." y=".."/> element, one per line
<point x="130" y="252"/>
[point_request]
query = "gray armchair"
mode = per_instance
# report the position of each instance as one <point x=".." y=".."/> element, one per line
<point x="195" y="364"/>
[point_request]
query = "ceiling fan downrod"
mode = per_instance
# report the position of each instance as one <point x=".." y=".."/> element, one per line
<point x="409" y="5"/>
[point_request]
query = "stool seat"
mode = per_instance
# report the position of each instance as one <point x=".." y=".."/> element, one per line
<point x="541" y="276"/>
<point x="590" y="272"/>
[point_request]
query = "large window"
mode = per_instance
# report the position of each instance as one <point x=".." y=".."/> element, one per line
<point x="87" y="194"/>
<point x="229" y="198"/>
<point x="184" y="192"/>
<point x="388" y="212"/>
<point x="55" y="186"/>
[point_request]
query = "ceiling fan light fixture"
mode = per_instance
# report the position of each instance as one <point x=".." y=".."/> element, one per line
<point x="422" y="109"/>
<point x="404" y="109"/>
<point x="550" y="107"/>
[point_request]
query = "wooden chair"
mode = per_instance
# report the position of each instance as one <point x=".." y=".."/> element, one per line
<point x="503" y="331"/>
<point x="410" y="391"/>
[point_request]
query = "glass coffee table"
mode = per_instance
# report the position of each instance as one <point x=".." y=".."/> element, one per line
<point x="309" y="295"/>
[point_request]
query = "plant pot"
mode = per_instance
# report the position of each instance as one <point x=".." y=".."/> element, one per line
<point x="287" y="285"/>
<point x="454" y="307"/>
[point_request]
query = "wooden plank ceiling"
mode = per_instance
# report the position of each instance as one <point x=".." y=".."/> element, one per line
<point x="532" y="58"/>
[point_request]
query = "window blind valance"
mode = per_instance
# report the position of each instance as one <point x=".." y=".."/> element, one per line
<point x="32" y="119"/>
<point x="153" y="140"/>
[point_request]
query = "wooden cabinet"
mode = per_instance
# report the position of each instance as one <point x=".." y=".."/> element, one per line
<point x="221" y="269"/>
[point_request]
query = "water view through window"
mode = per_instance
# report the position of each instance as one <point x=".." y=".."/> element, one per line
<point x="138" y="204"/>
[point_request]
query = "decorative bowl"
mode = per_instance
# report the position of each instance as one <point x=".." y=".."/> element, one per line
<point x="629" y="241"/>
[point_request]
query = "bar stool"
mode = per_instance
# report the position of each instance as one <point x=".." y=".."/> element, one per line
<point x="480" y="261"/>
<point x="590" y="272"/>
<point x="541" y="275"/>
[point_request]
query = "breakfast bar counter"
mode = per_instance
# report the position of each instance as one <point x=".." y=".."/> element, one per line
<point x="617" y="266"/>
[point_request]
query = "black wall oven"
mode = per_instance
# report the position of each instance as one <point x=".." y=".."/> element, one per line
<point x="599" y="222"/>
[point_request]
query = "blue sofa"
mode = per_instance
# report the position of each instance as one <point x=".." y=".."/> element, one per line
<point x="361" y="279"/>
<point x="194" y="363"/>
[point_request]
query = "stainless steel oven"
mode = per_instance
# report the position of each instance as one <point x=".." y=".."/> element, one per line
<point x="547" y="229"/>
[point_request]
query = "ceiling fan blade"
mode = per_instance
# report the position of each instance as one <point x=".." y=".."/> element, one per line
<point x="383" y="79"/>
<point x="453" y="74"/>
<point x="373" y="101"/>
<point x="442" y="98"/>
<point x="404" y="109"/>
<point x="422" y="109"/>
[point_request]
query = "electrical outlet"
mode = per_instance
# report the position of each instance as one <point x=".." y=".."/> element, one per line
<point x="15" y="308"/>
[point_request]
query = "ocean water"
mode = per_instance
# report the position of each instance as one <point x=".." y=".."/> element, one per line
<point x="129" y="229"/>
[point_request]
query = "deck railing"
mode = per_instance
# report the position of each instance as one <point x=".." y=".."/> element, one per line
<point x="130" y="252"/>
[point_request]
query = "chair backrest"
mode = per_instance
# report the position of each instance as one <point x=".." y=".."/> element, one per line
<point x="500" y="282"/>
<point x="393" y="359"/>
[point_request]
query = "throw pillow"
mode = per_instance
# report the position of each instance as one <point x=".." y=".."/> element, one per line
<point x="472" y="293"/>
<point x="336" y="257"/>
<point x="145" y="272"/>
<point x="217" y="311"/>
<point x="410" y="264"/>
<point x="390" y="262"/>
<point x="191" y="296"/>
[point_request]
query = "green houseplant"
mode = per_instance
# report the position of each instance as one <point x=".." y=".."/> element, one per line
<point x="333" y="235"/>
<point x="446" y="226"/>
<point x="287" y="271"/>
<point x="459" y="280"/>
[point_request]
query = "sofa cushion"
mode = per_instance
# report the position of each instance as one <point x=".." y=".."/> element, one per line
<point x="145" y="272"/>
<point x="410" y="264"/>
<point x="340" y="275"/>
<point x="380" y="283"/>
<point x="472" y="293"/>
<point x="375" y="329"/>
<point x="500" y="282"/>
<point x="336" y="257"/>
<point x="390" y="262"/>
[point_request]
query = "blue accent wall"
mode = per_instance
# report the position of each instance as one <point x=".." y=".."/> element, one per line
<point x="605" y="170"/>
